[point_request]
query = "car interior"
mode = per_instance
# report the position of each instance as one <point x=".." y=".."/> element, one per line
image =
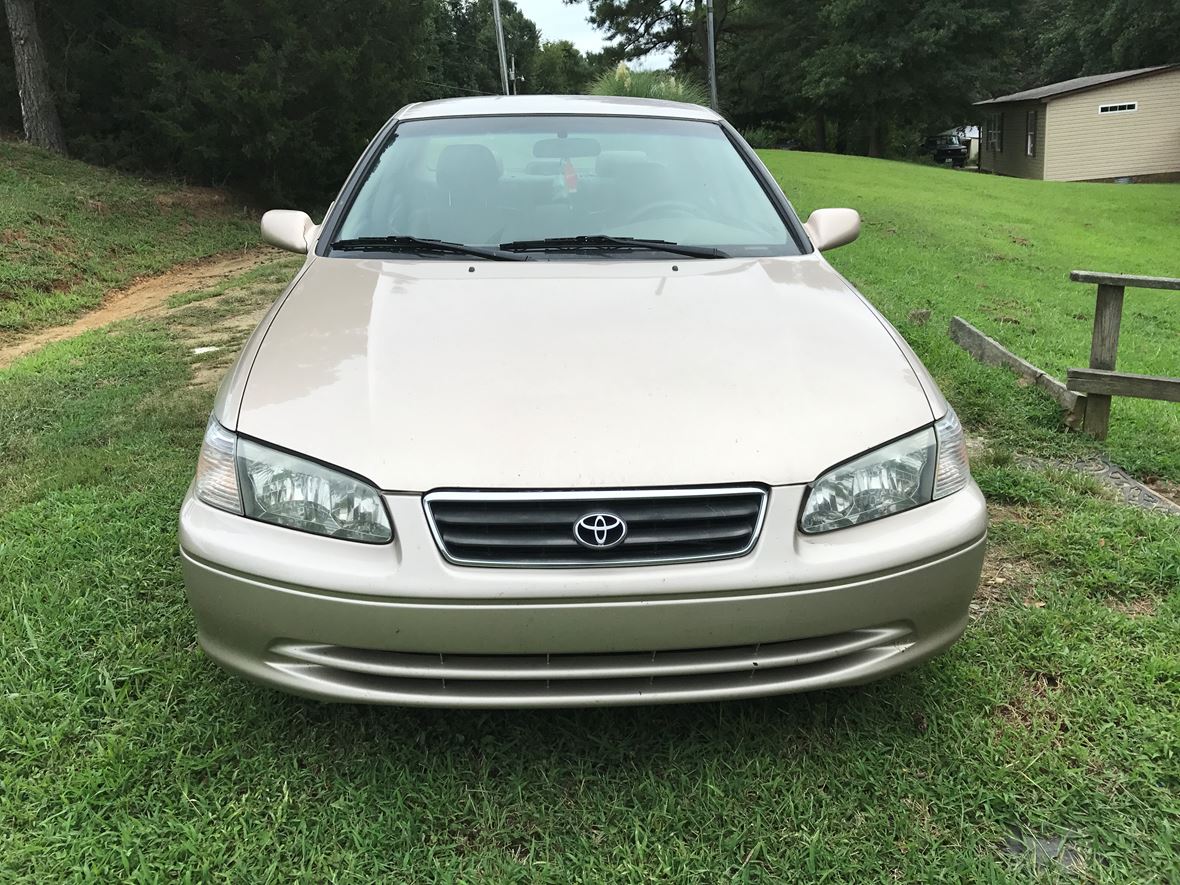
<point x="524" y="186"/>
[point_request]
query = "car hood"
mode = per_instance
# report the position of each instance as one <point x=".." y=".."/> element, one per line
<point x="578" y="374"/>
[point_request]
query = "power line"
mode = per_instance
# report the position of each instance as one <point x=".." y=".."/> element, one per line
<point x="451" y="86"/>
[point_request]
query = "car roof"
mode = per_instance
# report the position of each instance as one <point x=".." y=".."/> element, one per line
<point x="595" y="105"/>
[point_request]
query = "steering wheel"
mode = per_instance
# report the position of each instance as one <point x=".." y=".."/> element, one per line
<point x="663" y="208"/>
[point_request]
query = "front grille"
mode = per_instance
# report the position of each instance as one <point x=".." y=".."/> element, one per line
<point x="538" y="529"/>
<point x="468" y="680"/>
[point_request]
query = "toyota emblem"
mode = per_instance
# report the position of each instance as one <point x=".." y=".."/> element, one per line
<point x="600" y="531"/>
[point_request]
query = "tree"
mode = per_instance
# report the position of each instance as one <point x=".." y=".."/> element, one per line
<point x="1070" y="38"/>
<point x="275" y="97"/>
<point x="639" y="27"/>
<point x="764" y="57"/>
<point x="911" y="64"/>
<point x="871" y="73"/>
<point x="223" y="91"/>
<point x="38" y="110"/>
<point x="466" y="61"/>
<point x="521" y="38"/>
<point x="559" y="69"/>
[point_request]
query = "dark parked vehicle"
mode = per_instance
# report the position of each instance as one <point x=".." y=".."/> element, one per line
<point x="946" y="149"/>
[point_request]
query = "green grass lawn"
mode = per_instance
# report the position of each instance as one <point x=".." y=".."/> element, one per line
<point x="70" y="232"/>
<point x="126" y="755"/>
<point x="998" y="252"/>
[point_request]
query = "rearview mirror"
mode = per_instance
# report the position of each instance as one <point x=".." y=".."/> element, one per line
<point x="288" y="229"/>
<point x="829" y="228"/>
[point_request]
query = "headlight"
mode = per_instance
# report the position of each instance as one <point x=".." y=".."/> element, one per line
<point x="906" y="473"/>
<point x="253" y="480"/>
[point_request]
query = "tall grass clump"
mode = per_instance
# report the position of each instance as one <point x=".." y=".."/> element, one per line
<point x="649" y="84"/>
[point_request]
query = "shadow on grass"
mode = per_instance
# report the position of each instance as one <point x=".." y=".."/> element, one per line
<point x="896" y="711"/>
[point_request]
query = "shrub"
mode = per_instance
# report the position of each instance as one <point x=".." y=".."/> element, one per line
<point x="765" y="135"/>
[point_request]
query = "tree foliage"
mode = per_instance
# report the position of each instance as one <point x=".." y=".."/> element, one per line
<point x="560" y="69"/>
<point x="638" y="27"/>
<point x="1077" y="37"/>
<point x="462" y="54"/>
<point x="276" y="97"/>
<point x="866" y="76"/>
<point x="279" y="96"/>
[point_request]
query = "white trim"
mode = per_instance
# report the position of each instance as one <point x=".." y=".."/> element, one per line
<point x="1118" y="107"/>
<point x="994" y="129"/>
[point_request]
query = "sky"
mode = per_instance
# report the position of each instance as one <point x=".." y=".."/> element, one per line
<point x="560" y="21"/>
<point x="557" y="21"/>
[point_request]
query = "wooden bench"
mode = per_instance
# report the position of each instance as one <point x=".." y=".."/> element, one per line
<point x="1100" y="382"/>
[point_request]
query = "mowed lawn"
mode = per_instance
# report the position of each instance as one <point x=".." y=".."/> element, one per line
<point x="998" y="252"/>
<point x="126" y="755"/>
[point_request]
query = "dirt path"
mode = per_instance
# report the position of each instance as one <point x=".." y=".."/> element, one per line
<point x="142" y="296"/>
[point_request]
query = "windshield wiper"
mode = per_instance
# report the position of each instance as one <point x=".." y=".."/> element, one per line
<point x="402" y="243"/>
<point x="602" y="241"/>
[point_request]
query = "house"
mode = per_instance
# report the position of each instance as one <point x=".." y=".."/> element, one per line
<point x="1120" y="125"/>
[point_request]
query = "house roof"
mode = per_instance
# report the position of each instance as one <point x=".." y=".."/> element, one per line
<point x="1077" y="84"/>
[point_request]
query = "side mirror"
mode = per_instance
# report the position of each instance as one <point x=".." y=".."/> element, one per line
<point x="829" y="228"/>
<point x="288" y="229"/>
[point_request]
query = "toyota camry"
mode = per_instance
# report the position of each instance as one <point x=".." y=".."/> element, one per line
<point x="567" y="407"/>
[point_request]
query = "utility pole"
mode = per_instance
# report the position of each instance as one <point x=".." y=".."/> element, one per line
<point x="512" y="73"/>
<point x="712" y="56"/>
<point x="500" y="45"/>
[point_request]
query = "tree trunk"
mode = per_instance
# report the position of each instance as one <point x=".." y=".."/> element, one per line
<point x="877" y="139"/>
<point x="821" y="132"/>
<point x="39" y="113"/>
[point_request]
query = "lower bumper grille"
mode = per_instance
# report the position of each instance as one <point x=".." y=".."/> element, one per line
<point x="610" y="678"/>
<point x="547" y="529"/>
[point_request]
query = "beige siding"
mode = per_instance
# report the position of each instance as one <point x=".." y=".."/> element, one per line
<point x="1013" y="159"/>
<point x="1083" y="144"/>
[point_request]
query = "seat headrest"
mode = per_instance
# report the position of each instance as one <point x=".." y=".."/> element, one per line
<point x="466" y="167"/>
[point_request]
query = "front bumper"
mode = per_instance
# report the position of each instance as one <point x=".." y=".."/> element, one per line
<point x="398" y="624"/>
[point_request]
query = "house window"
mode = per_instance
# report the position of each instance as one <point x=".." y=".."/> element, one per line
<point x="1124" y="107"/>
<point x="995" y="133"/>
<point x="1030" y="138"/>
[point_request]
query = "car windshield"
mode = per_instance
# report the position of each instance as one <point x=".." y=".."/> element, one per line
<point x="503" y="180"/>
